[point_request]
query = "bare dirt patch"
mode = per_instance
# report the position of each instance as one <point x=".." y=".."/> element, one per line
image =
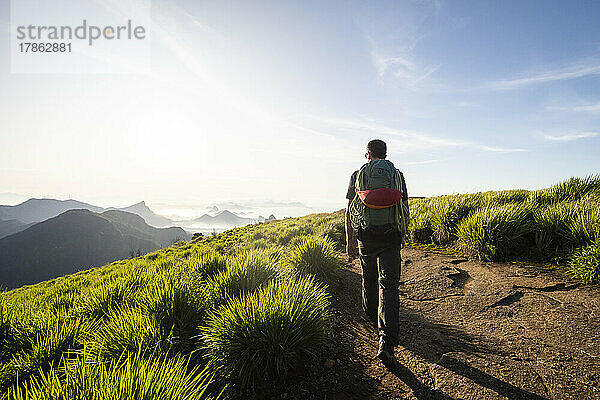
<point x="469" y="330"/>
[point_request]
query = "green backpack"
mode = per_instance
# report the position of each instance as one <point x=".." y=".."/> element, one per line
<point x="374" y="175"/>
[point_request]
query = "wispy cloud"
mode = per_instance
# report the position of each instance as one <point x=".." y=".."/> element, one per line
<point x="466" y="104"/>
<point x="402" y="67"/>
<point x="424" y="162"/>
<point x="408" y="140"/>
<point x="571" y="137"/>
<point x="590" y="67"/>
<point x="394" y="42"/>
<point x="411" y="140"/>
<point x="495" y="149"/>
<point x="594" y="107"/>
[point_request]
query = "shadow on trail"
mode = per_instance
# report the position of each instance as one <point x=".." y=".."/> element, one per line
<point x="432" y="342"/>
<point x="421" y="391"/>
<point x="486" y="380"/>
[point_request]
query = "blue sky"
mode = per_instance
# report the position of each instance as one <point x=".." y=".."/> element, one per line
<point x="277" y="99"/>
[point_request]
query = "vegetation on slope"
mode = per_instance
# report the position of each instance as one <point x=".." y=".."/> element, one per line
<point x="560" y="224"/>
<point x="227" y="315"/>
<point x="241" y="313"/>
<point x="75" y="240"/>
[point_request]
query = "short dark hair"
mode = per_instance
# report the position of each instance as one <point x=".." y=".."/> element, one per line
<point x="377" y="148"/>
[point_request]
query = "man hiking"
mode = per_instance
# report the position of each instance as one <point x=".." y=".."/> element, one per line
<point x="377" y="215"/>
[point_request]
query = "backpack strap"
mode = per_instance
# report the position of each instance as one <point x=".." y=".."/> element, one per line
<point x="401" y="210"/>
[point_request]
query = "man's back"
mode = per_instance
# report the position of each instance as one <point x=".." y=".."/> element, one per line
<point x="379" y="244"/>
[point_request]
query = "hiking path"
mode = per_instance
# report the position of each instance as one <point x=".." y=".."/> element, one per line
<point x="468" y="330"/>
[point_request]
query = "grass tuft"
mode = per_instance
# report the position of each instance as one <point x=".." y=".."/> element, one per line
<point x="315" y="255"/>
<point x="247" y="272"/>
<point x="261" y="338"/>
<point x="496" y="233"/>
<point x="570" y="190"/>
<point x="45" y="348"/>
<point x="585" y="263"/>
<point x="126" y="331"/>
<point x="177" y="303"/>
<point x="335" y="231"/>
<point x="447" y="212"/>
<point x="209" y="264"/>
<point x="103" y="299"/>
<point x="137" y="378"/>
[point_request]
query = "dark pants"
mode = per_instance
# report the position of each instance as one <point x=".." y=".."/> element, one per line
<point x="380" y="261"/>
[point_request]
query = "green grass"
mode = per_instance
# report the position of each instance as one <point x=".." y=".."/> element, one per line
<point x="335" y="231"/>
<point x="136" y="378"/>
<point x="245" y="273"/>
<point x="126" y="331"/>
<point x="42" y="347"/>
<point x="258" y="339"/>
<point x="544" y="225"/>
<point x="496" y="233"/>
<point x="208" y="265"/>
<point x="447" y="211"/>
<point x="265" y="287"/>
<point x="505" y="197"/>
<point x="420" y="228"/>
<point x="314" y="255"/>
<point x="570" y="190"/>
<point x="102" y="300"/>
<point x="585" y="263"/>
<point x="13" y="335"/>
<point x="64" y="338"/>
<point x="177" y="302"/>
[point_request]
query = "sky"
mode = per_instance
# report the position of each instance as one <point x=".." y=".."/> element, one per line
<point x="276" y="100"/>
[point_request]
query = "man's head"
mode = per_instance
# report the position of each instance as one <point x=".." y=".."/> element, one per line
<point x="376" y="149"/>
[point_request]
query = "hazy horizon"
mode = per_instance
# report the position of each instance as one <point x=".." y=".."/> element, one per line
<point x="251" y="208"/>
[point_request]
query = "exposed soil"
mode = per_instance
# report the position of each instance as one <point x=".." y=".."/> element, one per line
<point x="468" y="330"/>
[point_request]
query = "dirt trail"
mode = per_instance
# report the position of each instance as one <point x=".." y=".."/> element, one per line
<point x="468" y="330"/>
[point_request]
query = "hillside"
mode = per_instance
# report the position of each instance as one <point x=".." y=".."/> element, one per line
<point x="37" y="210"/>
<point x="12" y="226"/>
<point x="74" y="240"/>
<point x="223" y="219"/>
<point x="272" y="311"/>
<point x="138" y="227"/>
<point x="147" y="214"/>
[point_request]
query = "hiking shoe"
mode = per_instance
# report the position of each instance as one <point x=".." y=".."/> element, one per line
<point x="386" y="353"/>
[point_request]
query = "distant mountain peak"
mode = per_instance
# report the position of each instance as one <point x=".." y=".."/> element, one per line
<point x="223" y="219"/>
<point x="226" y="212"/>
<point x="148" y="215"/>
<point x="37" y="210"/>
<point x="138" y="204"/>
<point x="77" y="238"/>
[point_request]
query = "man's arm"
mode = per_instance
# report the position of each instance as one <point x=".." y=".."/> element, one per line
<point x="351" y="249"/>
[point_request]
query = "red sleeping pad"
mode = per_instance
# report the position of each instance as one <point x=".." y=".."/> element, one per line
<point x="380" y="198"/>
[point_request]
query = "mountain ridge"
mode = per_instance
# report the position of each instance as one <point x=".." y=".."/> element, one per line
<point x="8" y="227"/>
<point x="77" y="239"/>
<point x="38" y="210"/>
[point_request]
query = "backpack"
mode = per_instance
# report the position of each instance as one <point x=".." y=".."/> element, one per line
<point x="378" y="198"/>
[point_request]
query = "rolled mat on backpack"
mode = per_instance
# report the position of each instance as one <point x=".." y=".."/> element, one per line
<point x="380" y="198"/>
